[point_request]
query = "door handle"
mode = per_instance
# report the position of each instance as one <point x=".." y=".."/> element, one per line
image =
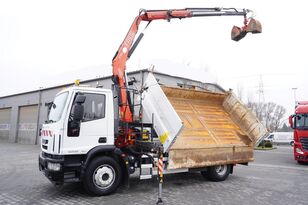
<point x="102" y="140"/>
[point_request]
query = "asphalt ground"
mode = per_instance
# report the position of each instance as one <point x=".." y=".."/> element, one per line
<point x="274" y="178"/>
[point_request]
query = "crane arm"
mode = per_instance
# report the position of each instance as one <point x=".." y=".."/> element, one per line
<point x="129" y="43"/>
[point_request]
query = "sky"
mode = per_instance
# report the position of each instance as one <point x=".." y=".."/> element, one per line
<point x="47" y="43"/>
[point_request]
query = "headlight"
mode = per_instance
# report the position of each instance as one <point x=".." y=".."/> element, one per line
<point x="299" y="151"/>
<point x="53" y="166"/>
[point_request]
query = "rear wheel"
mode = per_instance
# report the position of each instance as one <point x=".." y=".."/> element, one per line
<point x="102" y="176"/>
<point x="217" y="173"/>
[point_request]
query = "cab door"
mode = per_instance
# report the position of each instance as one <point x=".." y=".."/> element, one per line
<point x="92" y="129"/>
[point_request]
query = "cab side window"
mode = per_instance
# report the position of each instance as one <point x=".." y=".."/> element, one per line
<point x="94" y="107"/>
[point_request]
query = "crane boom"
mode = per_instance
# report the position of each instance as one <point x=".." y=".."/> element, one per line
<point x="130" y="43"/>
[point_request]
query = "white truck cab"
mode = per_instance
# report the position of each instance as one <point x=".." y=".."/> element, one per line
<point x="61" y="136"/>
<point x="67" y="139"/>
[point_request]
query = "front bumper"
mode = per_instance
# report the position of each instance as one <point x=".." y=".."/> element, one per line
<point x="303" y="156"/>
<point x="68" y="172"/>
<point x="54" y="176"/>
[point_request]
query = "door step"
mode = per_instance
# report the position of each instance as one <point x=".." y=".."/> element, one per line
<point x="146" y="168"/>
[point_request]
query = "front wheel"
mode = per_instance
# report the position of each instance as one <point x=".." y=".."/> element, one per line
<point x="217" y="173"/>
<point x="102" y="176"/>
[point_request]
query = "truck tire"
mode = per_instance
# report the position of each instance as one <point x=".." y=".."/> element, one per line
<point x="217" y="173"/>
<point x="102" y="176"/>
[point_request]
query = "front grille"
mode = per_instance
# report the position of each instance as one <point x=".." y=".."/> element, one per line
<point x="52" y="156"/>
<point x="304" y="141"/>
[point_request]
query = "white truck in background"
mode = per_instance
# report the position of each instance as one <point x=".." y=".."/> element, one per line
<point x="281" y="138"/>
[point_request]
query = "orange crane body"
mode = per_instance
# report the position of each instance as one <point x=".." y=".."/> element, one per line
<point x="127" y="47"/>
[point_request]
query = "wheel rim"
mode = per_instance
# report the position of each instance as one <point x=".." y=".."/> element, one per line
<point x="221" y="170"/>
<point x="104" y="176"/>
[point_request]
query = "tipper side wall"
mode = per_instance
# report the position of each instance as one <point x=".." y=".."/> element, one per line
<point x="218" y="129"/>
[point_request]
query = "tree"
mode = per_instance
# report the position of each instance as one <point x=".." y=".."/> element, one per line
<point x="285" y="128"/>
<point x="270" y="114"/>
<point x="240" y="91"/>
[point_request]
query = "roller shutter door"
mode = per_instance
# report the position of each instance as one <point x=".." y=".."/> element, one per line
<point x="27" y="124"/>
<point x="5" y="123"/>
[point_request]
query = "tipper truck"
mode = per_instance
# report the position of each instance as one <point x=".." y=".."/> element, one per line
<point x="101" y="136"/>
<point x="299" y="122"/>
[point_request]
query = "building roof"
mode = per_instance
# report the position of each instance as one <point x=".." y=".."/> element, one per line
<point x="108" y="77"/>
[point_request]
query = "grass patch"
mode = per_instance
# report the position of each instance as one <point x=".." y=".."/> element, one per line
<point x="265" y="148"/>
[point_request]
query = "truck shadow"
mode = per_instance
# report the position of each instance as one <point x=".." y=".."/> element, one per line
<point x="178" y="180"/>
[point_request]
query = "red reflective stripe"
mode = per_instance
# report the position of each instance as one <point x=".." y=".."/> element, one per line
<point x="160" y="165"/>
<point x="50" y="134"/>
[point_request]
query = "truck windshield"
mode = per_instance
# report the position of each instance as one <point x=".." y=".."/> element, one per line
<point x="57" y="108"/>
<point x="301" y="121"/>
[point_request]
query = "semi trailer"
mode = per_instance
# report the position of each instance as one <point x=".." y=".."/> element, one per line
<point x="101" y="136"/>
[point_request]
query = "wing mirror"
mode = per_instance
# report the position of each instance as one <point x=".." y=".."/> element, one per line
<point x="253" y="26"/>
<point x="291" y="121"/>
<point x="78" y="109"/>
<point x="80" y="99"/>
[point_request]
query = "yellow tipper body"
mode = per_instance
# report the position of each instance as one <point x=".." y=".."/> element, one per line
<point x="218" y="129"/>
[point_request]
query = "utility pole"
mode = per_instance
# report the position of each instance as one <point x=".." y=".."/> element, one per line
<point x="294" y="90"/>
<point x="261" y="90"/>
<point x="261" y="98"/>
